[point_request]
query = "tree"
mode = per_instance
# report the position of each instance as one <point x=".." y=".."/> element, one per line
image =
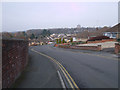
<point x="97" y="28"/>
<point x="36" y="37"/>
<point x="25" y="34"/>
<point x="59" y="40"/>
<point x="32" y="36"/>
<point x="63" y="40"/>
<point x="45" y="33"/>
<point x="71" y="39"/>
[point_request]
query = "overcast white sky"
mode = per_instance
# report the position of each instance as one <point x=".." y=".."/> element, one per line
<point x="19" y="16"/>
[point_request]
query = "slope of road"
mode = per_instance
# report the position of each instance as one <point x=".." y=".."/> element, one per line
<point x="88" y="71"/>
<point x="40" y="73"/>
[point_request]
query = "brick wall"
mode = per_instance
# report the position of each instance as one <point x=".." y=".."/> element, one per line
<point x="117" y="48"/>
<point x="97" y="48"/>
<point x="101" y="41"/>
<point x="14" y="60"/>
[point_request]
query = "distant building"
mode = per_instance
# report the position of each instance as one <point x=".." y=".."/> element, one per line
<point x="74" y="39"/>
<point x="78" y="26"/>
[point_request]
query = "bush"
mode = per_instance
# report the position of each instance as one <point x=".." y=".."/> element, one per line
<point x="82" y="42"/>
<point x="59" y="40"/>
<point x="75" y="43"/>
<point x="63" y="41"/>
<point x="71" y="39"/>
<point x="118" y="40"/>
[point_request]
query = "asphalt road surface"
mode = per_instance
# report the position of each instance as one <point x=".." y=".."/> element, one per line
<point x="39" y="73"/>
<point x="89" y="70"/>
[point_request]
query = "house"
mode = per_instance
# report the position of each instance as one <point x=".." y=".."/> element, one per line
<point x="113" y="32"/>
<point x="74" y="39"/>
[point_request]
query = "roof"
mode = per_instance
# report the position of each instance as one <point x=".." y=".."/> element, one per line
<point x="111" y="32"/>
<point x="115" y="28"/>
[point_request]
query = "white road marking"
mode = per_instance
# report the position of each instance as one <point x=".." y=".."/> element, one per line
<point x="61" y="80"/>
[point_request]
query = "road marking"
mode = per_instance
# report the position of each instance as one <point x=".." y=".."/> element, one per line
<point x="62" y="82"/>
<point x="69" y="76"/>
<point x="62" y="69"/>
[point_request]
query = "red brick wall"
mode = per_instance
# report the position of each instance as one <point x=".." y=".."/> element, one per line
<point x="97" y="48"/>
<point x="14" y="60"/>
<point x="117" y="48"/>
<point x="101" y="41"/>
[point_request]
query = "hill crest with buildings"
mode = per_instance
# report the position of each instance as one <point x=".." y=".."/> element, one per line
<point x="78" y="32"/>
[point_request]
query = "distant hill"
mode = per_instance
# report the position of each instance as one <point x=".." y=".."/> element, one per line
<point x="60" y="30"/>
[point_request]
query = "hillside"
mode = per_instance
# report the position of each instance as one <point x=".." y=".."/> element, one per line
<point x="60" y="30"/>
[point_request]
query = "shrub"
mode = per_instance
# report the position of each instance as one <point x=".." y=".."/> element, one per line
<point x="118" y="40"/>
<point x="63" y="41"/>
<point x="71" y="39"/>
<point x="59" y="40"/>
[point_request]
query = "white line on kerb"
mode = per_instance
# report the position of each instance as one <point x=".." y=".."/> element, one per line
<point x="61" y="80"/>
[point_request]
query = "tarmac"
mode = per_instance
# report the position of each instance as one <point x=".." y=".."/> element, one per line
<point x="40" y="73"/>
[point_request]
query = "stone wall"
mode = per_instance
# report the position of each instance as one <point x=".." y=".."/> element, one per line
<point x="14" y="60"/>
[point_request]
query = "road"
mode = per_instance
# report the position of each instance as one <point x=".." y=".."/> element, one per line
<point x="88" y="70"/>
<point x="39" y="73"/>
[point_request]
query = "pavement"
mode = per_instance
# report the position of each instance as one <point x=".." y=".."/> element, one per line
<point x="40" y="73"/>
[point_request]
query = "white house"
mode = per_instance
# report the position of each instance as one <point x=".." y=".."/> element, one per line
<point x="74" y="39"/>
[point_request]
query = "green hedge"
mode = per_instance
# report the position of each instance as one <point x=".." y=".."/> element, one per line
<point x="75" y="43"/>
<point x="118" y="40"/>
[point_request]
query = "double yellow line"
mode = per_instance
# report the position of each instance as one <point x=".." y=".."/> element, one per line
<point x="65" y="72"/>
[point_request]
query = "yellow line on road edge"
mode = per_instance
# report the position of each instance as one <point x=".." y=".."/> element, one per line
<point x="69" y="76"/>
<point x="63" y="70"/>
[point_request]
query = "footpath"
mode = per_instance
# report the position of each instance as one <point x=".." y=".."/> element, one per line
<point x="40" y="73"/>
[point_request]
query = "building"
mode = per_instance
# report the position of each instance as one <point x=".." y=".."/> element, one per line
<point x="78" y="26"/>
<point x="111" y="34"/>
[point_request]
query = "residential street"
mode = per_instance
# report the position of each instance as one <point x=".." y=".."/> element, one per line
<point x="67" y="45"/>
<point x="89" y="70"/>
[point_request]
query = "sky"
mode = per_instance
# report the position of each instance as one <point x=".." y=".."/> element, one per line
<point x="20" y="16"/>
